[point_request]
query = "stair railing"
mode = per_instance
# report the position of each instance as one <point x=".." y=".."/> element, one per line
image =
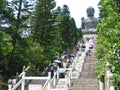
<point x="54" y="79"/>
<point x="21" y="81"/>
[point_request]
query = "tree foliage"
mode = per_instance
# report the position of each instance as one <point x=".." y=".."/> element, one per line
<point x="36" y="35"/>
<point x="12" y="25"/>
<point x="108" y="45"/>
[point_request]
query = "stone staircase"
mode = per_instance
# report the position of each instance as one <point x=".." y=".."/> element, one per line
<point x="87" y="79"/>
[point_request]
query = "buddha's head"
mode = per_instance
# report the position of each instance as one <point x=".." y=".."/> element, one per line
<point x="90" y="12"/>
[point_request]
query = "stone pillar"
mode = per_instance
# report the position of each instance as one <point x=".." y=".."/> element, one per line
<point x="107" y="68"/>
<point x="70" y="77"/>
<point x="54" y="79"/>
<point x="23" y="82"/>
<point x="108" y="78"/>
<point x="49" y="77"/>
<point x="57" y="73"/>
<point x="23" y="79"/>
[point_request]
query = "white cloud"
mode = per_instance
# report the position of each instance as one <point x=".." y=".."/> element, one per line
<point x="78" y="8"/>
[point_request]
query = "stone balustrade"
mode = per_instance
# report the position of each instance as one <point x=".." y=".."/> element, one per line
<point x="77" y="65"/>
<point x="108" y="78"/>
<point x="108" y="85"/>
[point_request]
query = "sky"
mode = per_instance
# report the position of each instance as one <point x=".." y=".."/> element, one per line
<point x="78" y="8"/>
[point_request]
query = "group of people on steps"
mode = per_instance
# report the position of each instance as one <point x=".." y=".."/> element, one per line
<point x="84" y="45"/>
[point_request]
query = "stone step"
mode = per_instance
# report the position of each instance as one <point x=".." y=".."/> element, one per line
<point x="89" y="71"/>
<point x="85" y="80"/>
<point x="84" y="84"/>
<point x="38" y="82"/>
<point x="89" y="67"/>
<point x="83" y="88"/>
<point x="85" y="73"/>
<point x="59" y="89"/>
<point x="88" y="76"/>
<point x="90" y="62"/>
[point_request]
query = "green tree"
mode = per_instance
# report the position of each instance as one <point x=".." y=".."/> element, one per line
<point x="69" y="30"/>
<point x="43" y="30"/>
<point x="13" y="25"/>
<point x="69" y="33"/>
<point x="108" y="50"/>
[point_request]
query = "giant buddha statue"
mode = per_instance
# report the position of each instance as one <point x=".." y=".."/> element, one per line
<point x="90" y="22"/>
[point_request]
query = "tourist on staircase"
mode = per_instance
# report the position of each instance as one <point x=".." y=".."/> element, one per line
<point x="52" y="69"/>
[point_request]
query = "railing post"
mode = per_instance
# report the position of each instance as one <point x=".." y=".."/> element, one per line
<point x="54" y="79"/>
<point x="49" y="77"/>
<point x="69" y="77"/>
<point x="23" y="82"/>
<point x="106" y="77"/>
<point x="100" y="85"/>
<point x="111" y="86"/>
<point x="109" y="76"/>
<point x="23" y="79"/>
<point x="17" y="77"/>
<point x="57" y="71"/>
<point x="57" y="75"/>
<point x="9" y="86"/>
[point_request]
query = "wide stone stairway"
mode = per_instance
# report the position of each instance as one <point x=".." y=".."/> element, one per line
<point x="87" y="79"/>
